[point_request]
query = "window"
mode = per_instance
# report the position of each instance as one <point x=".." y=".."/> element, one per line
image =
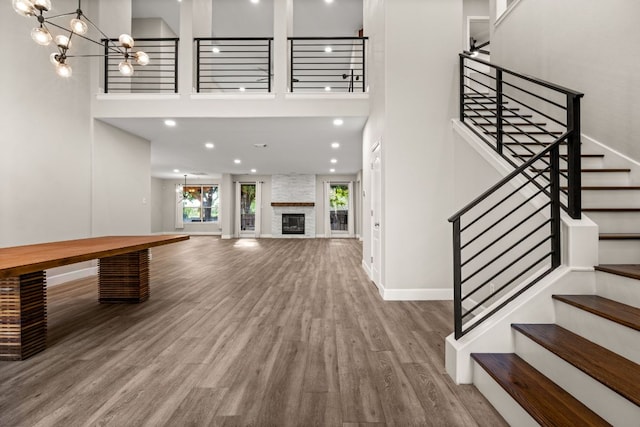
<point x="200" y="203"/>
<point x="339" y="207"/>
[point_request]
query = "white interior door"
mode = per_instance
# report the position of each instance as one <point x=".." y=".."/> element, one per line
<point x="376" y="208"/>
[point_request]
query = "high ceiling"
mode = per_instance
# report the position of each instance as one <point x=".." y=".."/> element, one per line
<point x="293" y="145"/>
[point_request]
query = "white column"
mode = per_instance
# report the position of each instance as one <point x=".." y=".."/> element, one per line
<point x="282" y="22"/>
<point x="185" y="48"/>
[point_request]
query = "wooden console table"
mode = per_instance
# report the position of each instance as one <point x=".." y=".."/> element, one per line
<point x="123" y="277"/>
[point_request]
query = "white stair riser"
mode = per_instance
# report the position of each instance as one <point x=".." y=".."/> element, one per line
<point x="619" y="251"/>
<point x="611" y="198"/>
<point x="613" y="336"/>
<point x="510" y="410"/>
<point x="605" y="402"/>
<point x="618" y="288"/>
<point x="616" y="222"/>
<point x="605" y="178"/>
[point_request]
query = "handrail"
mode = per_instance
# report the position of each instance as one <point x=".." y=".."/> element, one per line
<point x="475" y="202"/>
<point x="519" y="116"/>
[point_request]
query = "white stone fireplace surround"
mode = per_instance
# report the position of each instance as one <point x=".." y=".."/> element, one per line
<point x="294" y="189"/>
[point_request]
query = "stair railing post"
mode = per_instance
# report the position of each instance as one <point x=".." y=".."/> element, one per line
<point x="499" y="111"/>
<point x="574" y="161"/>
<point x="461" y="84"/>
<point x="106" y="65"/>
<point x="554" y="161"/>
<point x="197" y="65"/>
<point x="457" y="279"/>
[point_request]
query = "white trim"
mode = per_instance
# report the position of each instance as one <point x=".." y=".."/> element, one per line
<point x="71" y="275"/>
<point x="420" y="294"/>
<point x="328" y="96"/>
<point x="234" y="95"/>
<point x="321" y="236"/>
<point x="367" y="269"/>
<point x="226" y="236"/>
<point x="136" y="96"/>
<point x="266" y="236"/>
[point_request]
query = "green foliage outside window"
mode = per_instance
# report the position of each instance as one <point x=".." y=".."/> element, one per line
<point x="200" y="204"/>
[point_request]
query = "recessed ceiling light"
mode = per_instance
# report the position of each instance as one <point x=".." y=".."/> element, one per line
<point x="328" y="1"/>
<point x="241" y="89"/>
<point x="338" y="122"/>
<point x="328" y="49"/>
<point x="327" y="88"/>
<point x="176" y="170"/>
<point x="332" y="170"/>
<point x="255" y="1"/>
<point x="215" y="50"/>
<point x="334" y="161"/>
<point x="237" y="161"/>
<point x="253" y="171"/>
<point x="209" y="145"/>
<point x="170" y="123"/>
<point x="335" y="145"/>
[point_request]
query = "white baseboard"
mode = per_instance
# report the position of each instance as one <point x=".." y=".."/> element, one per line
<point x="72" y="275"/>
<point x="321" y="236"/>
<point x="367" y="270"/>
<point x="227" y="236"/>
<point x="420" y="294"/>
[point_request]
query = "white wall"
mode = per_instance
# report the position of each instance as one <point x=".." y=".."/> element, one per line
<point x="421" y="97"/>
<point x="45" y="165"/>
<point x="157" y="204"/>
<point x="586" y="45"/>
<point x="121" y="182"/>
<point x="257" y="19"/>
<point x="167" y="10"/>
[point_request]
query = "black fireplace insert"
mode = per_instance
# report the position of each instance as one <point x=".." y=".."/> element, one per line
<point x="292" y="223"/>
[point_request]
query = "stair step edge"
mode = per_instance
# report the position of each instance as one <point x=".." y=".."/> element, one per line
<point x="619" y="236"/>
<point x="544" y="400"/>
<point x="631" y="271"/>
<point x="623" y="314"/>
<point x="619" y="374"/>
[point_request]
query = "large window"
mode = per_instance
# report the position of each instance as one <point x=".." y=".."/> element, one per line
<point x="200" y="203"/>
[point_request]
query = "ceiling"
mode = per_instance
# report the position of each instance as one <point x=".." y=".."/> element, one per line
<point x="294" y="145"/>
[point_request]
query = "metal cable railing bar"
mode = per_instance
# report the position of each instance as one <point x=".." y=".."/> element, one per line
<point x="327" y="64"/>
<point x="160" y="76"/>
<point x="518" y="115"/>
<point x="225" y="64"/>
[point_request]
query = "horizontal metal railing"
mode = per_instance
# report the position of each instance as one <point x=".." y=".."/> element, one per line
<point x="233" y="64"/>
<point x="327" y="64"/>
<point x="508" y="239"/>
<point x="519" y="115"/>
<point x="159" y="76"/>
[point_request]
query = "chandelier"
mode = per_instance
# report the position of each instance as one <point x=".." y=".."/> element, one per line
<point x="77" y="28"/>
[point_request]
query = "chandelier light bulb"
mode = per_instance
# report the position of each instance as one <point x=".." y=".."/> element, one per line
<point x="63" y="70"/>
<point x="126" y="40"/>
<point x="125" y="67"/>
<point x="55" y="58"/>
<point x="24" y="7"/>
<point x="43" y="5"/>
<point x="78" y="26"/>
<point x="63" y="41"/>
<point x="142" y="58"/>
<point x="41" y="36"/>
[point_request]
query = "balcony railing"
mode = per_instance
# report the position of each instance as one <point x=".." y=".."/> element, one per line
<point x="327" y="64"/>
<point x="233" y="64"/>
<point x="160" y="76"/>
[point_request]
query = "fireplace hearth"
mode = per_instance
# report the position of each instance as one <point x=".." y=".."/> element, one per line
<point x="292" y="223"/>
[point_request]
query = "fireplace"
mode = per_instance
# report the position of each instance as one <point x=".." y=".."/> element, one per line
<point x="292" y="223"/>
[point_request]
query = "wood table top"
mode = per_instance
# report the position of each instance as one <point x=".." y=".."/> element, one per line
<point x="18" y="260"/>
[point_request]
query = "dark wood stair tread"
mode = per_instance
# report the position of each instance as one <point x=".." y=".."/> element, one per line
<point x="622" y="314"/>
<point x="521" y="132"/>
<point x="544" y="400"/>
<point x="619" y="236"/>
<point x="598" y="170"/>
<point x="610" y="209"/>
<point x="608" y="188"/>
<point x="564" y="156"/>
<point x="614" y="371"/>
<point x="515" y="124"/>
<point x="627" y="270"/>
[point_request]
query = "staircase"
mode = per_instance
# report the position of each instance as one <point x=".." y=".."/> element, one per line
<point x="584" y="368"/>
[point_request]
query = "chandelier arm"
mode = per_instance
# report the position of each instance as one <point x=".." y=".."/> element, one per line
<point x="62" y="14"/>
<point x="114" y="46"/>
<point x="84" y="37"/>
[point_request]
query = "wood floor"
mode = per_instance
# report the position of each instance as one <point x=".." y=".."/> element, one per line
<point x="243" y="332"/>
